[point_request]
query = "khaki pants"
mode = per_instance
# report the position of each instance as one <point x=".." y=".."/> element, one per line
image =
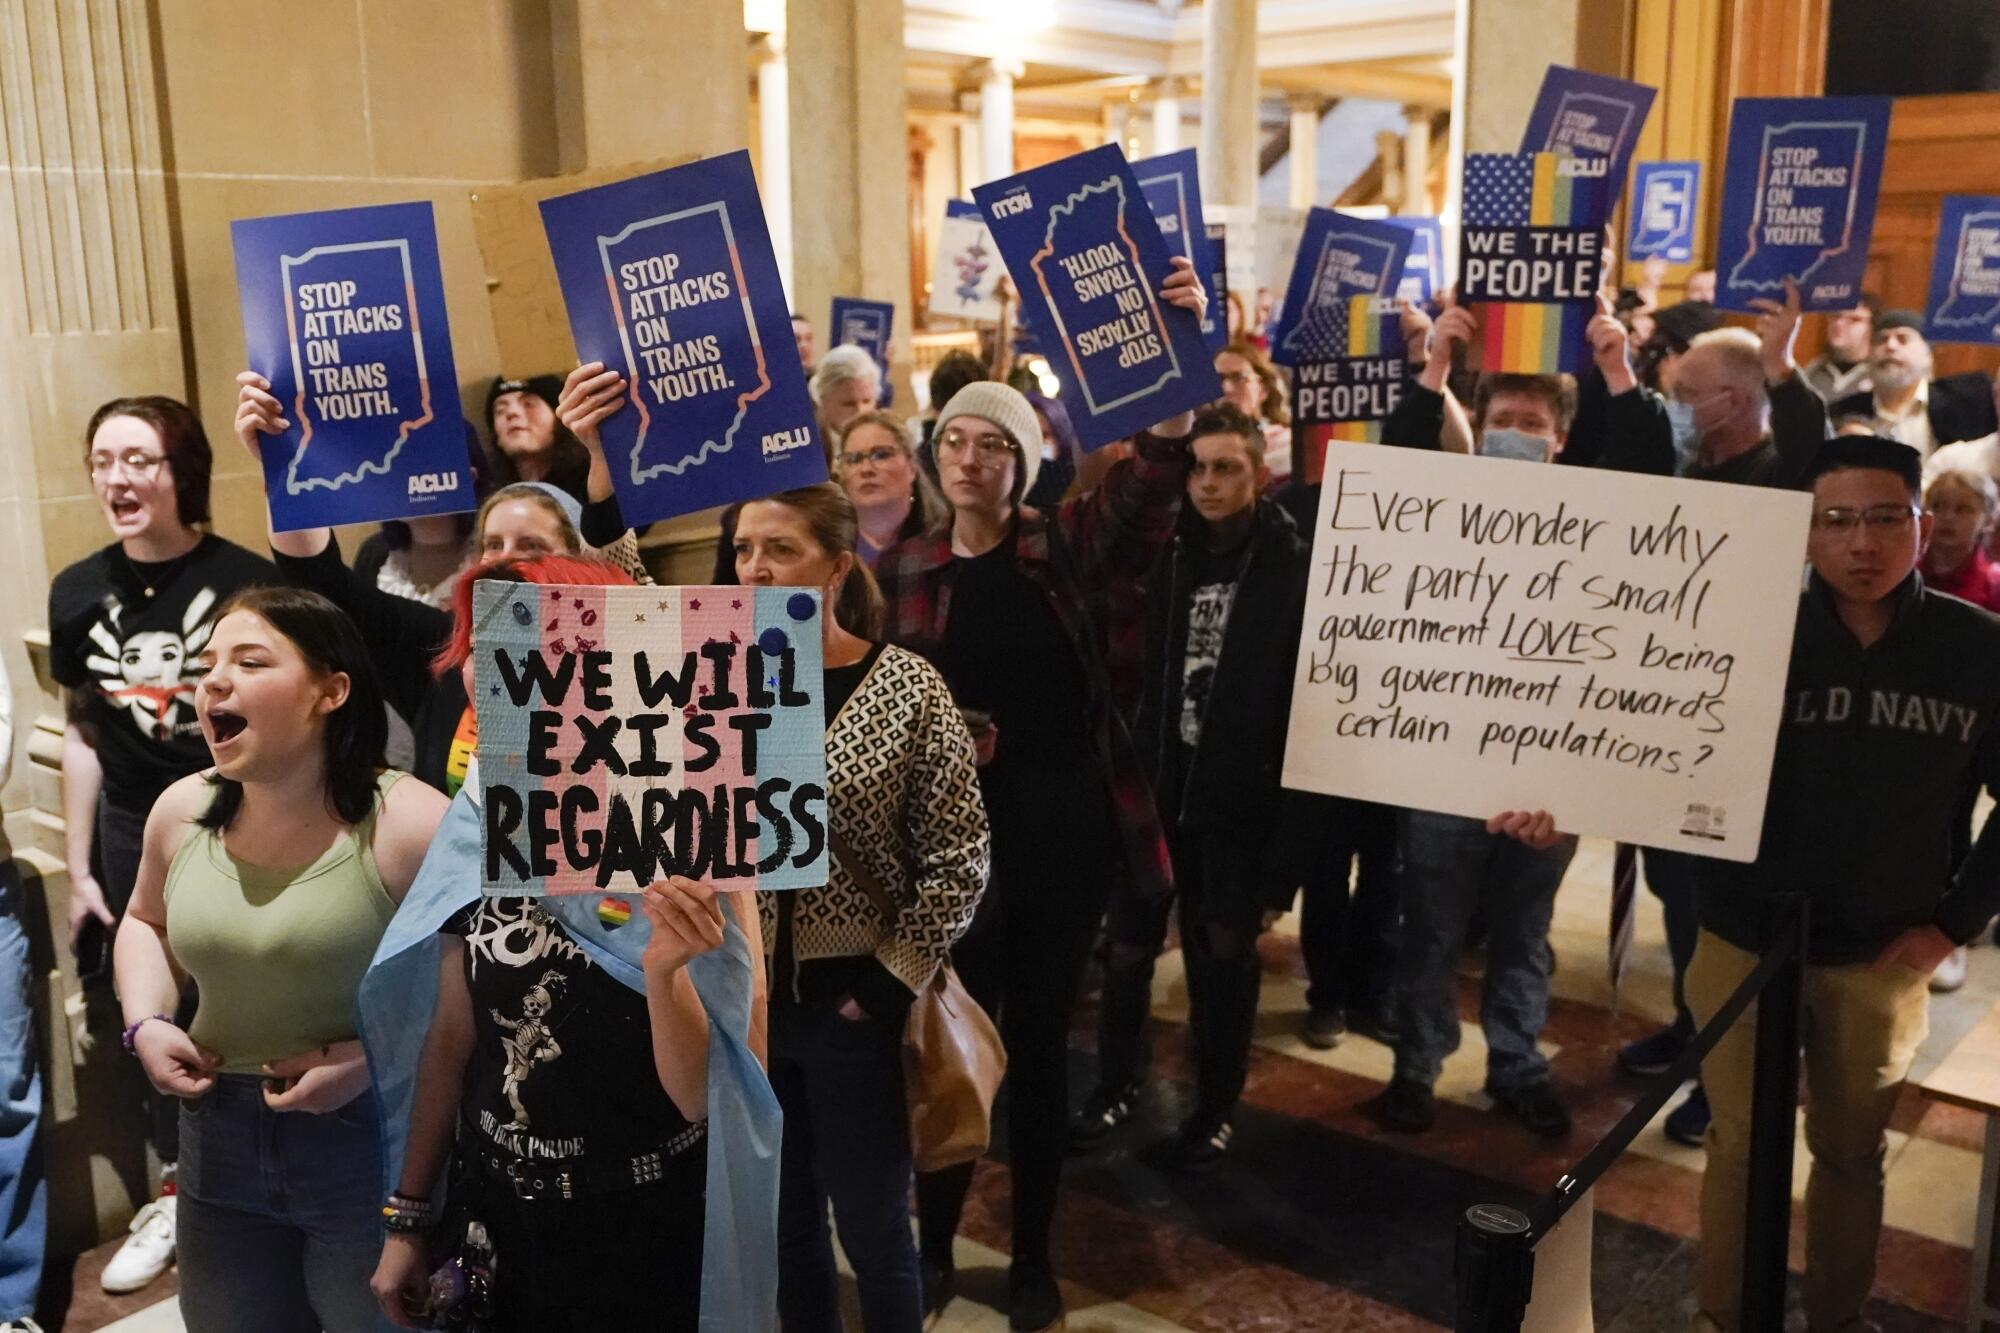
<point x="1862" y="1026"/>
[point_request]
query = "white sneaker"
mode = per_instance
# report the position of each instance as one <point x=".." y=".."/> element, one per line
<point x="21" y="1325"/>
<point x="1950" y="974"/>
<point x="147" y="1253"/>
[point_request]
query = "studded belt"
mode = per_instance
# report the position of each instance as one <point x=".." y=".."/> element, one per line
<point x="579" y="1177"/>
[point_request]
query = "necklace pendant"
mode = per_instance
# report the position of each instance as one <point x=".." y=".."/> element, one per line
<point x="149" y="594"/>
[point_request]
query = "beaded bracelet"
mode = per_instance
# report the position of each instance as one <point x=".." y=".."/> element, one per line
<point x="406" y="1213"/>
<point x="131" y="1034"/>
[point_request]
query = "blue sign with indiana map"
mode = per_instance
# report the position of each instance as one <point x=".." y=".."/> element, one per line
<point x="1339" y="256"/>
<point x="1591" y="116"/>
<point x="1423" y="272"/>
<point x="1088" y="261"/>
<point x="669" y="279"/>
<point x="1217" y="279"/>
<point x="1798" y="199"/>
<point x="1172" y="186"/>
<point x="866" y="324"/>
<point x="343" y="313"/>
<point x="1663" y="197"/>
<point x="1965" y="273"/>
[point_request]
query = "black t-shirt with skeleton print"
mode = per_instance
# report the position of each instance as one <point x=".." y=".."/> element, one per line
<point x="130" y="655"/>
<point x="562" y="1062"/>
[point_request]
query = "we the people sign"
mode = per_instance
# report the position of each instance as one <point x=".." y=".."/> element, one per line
<point x="1484" y="635"/>
<point x="628" y="734"/>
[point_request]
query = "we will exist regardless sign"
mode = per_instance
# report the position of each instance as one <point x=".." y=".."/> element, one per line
<point x="1485" y="635"/>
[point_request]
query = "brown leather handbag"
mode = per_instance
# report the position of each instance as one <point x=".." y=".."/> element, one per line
<point x="952" y="1057"/>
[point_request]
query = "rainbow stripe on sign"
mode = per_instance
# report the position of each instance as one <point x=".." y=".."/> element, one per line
<point x="1508" y="191"/>
<point x="1365" y="337"/>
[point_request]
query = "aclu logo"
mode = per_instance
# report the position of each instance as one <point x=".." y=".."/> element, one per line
<point x="432" y="483"/>
<point x="1014" y="201"/>
<point x="786" y="441"/>
<point x="1705" y="822"/>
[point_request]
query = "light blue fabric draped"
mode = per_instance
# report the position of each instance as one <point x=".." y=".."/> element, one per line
<point x="739" y="1281"/>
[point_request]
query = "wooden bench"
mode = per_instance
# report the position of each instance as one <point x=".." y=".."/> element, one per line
<point x="1970" y="1077"/>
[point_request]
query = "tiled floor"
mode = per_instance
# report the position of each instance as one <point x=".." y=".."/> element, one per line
<point x="1322" y="1222"/>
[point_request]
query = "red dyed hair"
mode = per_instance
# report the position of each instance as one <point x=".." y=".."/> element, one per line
<point x="517" y="569"/>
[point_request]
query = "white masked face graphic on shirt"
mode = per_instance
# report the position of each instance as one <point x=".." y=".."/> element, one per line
<point x="150" y="673"/>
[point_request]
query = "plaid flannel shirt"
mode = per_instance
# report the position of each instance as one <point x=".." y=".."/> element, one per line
<point x="1082" y="556"/>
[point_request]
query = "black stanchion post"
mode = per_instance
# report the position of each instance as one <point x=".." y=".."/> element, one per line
<point x="1774" y="1102"/>
<point x="1495" y="1269"/>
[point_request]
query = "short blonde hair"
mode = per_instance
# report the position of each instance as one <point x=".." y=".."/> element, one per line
<point x="1978" y="483"/>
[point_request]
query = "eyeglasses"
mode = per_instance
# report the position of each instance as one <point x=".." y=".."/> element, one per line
<point x="1877" y="518"/>
<point x="137" y="463"/>
<point x="880" y="454"/>
<point x="991" y="447"/>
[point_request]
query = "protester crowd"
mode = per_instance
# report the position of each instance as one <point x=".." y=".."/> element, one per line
<point x="1057" y="694"/>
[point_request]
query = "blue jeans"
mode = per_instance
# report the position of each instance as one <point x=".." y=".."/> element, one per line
<point x="1451" y="867"/>
<point x="279" y="1219"/>
<point x="23" y="1191"/>
<point x="847" y="1140"/>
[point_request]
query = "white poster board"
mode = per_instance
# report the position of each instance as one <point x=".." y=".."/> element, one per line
<point x="1484" y="635"/>
<point x="968" y="266"/>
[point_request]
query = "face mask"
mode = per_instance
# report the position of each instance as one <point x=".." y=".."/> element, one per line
<point x="1686" y="438"/>
<point x="1498" y="442"/>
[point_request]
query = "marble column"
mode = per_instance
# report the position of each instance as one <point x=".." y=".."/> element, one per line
<point x="1166" y="117"/>
<point x="774" y="148"/>
<point x="1229" y="139"/>
<point x="850" y="168"/>
<point x="1305" y="151"/>
<point x="968" y="145"/>
<point x="1417" y="164"/>
<point x="996" y="118"/>
<point x="1117" y="120"/>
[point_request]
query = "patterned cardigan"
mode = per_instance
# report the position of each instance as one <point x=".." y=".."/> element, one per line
<point x="903" y="795"/>
<point x="1081" y="556"/>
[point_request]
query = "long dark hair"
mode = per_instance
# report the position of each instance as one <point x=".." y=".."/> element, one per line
<point x="356" y="732"/>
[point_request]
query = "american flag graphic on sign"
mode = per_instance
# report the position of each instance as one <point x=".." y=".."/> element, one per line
<point x="1515" y="192"/>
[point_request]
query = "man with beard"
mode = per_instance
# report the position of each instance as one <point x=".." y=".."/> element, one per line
<point x="1906" y="404"/>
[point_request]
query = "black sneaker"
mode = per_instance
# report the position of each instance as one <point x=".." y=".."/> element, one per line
<point x="1405" y="1105"/>
<point x="1377" y="1023"/>
<point x="1323" y="1029"/>
<point x="1105" y="1111"/>
<point x="940" y="1289"/>
<point x="1534" y="1106"/>
<point x="1195" y="1147"/>
<point x="1652" y="1055"/>
<point x="1687" y="1124"/>
<point x="1034" y="1302"/>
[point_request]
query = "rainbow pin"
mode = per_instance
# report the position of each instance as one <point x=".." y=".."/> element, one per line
<point x="614" y="912"/>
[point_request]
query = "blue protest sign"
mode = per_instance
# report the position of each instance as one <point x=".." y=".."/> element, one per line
<point x="1339" y="256"/>
<point x="1965" y="272"/>
<point x="1172" y="186"/>
<point x="1088" y="261"/>
<point x="343" y="313"/>
<point x="866" y="324"/>
<point x="1423" y="271"/>
<point x="1349" y="395"/>
<point x="1798" y="198"/>
<point x="1591" y="116"/>
<point x="669" y="279"/>
<point x="1663" y="196"/>
<point x="1217" y="278"/>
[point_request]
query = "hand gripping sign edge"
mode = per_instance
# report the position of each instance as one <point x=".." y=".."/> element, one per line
<point x="294" y="485"/>
<point x="640" y="476"/>
<point x="1860" y="127"/>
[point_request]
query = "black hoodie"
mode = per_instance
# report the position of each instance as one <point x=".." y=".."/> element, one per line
<point x="1874" y="749"/>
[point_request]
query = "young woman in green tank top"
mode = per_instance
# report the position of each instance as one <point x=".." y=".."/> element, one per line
<point x="269" y="880"/>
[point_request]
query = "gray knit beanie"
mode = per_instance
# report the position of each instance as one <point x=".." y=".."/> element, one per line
<point x="1007" y="409"/>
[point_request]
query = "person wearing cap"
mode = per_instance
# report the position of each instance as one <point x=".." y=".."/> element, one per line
<point x="529" y="443"/>
<point x="1007" y="601"/>
<point x="1905" y="403"/>
<point x="1842" y="369"/>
